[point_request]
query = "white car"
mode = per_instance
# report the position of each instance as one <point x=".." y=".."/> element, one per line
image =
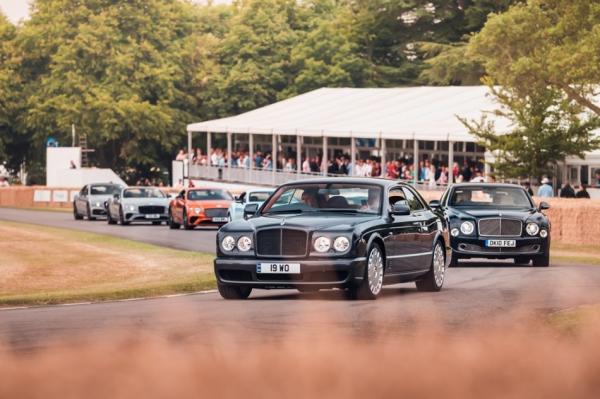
<point x="236" y="209"/>
<point x="138" y="204"/>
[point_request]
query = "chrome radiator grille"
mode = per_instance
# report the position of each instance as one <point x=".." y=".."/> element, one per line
<point x="281" y="242"/>
<point x="498" y="227"/>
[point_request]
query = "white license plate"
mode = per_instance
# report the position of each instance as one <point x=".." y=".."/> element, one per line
<point x="153" y="216"/>
<point x="220" y="220"/>
<point x="278" y="268"/>
<point x="500" y="243"/>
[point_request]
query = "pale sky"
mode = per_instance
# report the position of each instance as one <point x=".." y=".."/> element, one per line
<point x="15" y="10"/>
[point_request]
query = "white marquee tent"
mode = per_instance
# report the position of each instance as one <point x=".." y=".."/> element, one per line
<point x="423" y="113"/>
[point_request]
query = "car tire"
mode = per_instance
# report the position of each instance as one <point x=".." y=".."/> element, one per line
<point x="156" y="223"/>
<point x="185" y="221"/>
<point x="109" y="218"/>
<point x="171" y="222"/>
<point x="122" y="217"/>
<point x="372" y="283"/>
<point x="434" y="279"/>
<point x="233" y="291"/>
<point x="542" y="260"/>
<point x="76" y="214"/>
<point x="522" y="260"/>
<point x="89" y="213"/>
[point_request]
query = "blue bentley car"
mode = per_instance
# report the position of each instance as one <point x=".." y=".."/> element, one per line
<point x="495" y="221"/>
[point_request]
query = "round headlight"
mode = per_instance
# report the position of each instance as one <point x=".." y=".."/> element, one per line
<point x="244" y="243"/>
<point x="341" y="244"/>
<point x="543" y="233"/>
<point x="197" y="210"/>
<point x="454" y="232"/>
<point x="532" y="229"/>
<point x="98" y="204"/>
<point x="228" y="243"/>
<point x="467" y="228"/>
<point x="322" y="244"/>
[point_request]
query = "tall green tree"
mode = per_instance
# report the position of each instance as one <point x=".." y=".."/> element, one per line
<point x="544" y="43"/>
<point x="547" y="128"/>
<point x="127" y="74"/>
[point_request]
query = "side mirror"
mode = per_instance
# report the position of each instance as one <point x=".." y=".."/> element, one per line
<point x="250" y="210"/>
<point x="400" y="209"/>
<point x="238" y="200"/>
<point x="544" y="205"/>
<point x="117" y="196"/>
<point x="435" y="204"/>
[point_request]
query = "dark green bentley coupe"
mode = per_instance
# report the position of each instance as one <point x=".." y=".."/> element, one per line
<point x="356" y="234"/>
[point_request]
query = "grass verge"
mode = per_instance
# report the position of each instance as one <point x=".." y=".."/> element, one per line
<point x="44" y="265"/>
<point x="583" y="254"/>
<point x="573" y="321"/>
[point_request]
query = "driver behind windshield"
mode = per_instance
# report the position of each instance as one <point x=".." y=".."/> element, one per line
<point x="309" y="197"/>
<point x="373" y="200"/>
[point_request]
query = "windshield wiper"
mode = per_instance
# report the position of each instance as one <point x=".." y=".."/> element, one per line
<point x="283" y="211"/>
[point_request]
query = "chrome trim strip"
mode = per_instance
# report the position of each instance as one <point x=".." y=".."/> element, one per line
<point x="408" y="255"/>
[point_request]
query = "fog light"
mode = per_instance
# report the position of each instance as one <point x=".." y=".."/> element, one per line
<point x="543" y="233"/>
<point x="454" y="232"/>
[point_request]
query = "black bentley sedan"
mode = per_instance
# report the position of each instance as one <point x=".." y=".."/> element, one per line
<point x="352" y="233"/>
<point x="495" y="221"/>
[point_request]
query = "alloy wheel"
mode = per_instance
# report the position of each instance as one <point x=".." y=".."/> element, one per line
<point x="375" y="270"/>
<point x="439" y="267"/>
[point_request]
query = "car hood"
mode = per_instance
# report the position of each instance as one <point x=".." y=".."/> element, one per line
<point x="209" y="204"/>
<point x="312" y="222"/>
<point x="146" y="201"/>
<point x="520" y="214"/>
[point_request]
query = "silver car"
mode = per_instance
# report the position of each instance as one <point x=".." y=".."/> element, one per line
<point x="138" y="204"/>
<point x="91" y="200"/>
<point x="236" y="209"/>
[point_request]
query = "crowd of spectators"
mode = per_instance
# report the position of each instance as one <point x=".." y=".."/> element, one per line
<point x="429" y="172"/>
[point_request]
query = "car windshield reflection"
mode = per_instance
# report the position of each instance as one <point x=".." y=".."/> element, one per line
<point x="492" y="197"/>
<point x="347" y="198"/>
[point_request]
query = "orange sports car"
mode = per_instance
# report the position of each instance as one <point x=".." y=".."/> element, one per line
<point x="199" y="206"/>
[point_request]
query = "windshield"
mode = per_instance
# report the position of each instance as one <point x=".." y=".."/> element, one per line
<point x="258" y="196"/>
<point x="332" y="197"/>
<point x="207" y="195"/>
<point x="148" y="192"/>
<point x="496" y="197"/>
<point x="104" y="189"/>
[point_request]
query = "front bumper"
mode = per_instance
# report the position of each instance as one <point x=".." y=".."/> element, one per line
<point x="198" y="220"/>
<point x="98" y="211"/>
<point x="322" y="273"/>
<point x="142" y="217"/>
<point x="474" y="247"/>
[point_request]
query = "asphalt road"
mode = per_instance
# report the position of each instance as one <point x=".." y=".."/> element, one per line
<point x="201" y="239"/>
<point x="474" y="295"/>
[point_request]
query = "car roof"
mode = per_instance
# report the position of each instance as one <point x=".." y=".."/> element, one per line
<point x="347" y="180"/>
<point x="204" y="188"/>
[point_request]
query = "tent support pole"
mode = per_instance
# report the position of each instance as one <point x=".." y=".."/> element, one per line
<point x="251" y="156"/>
<point x="353" y="155"/>
<point x="415" y="161"/>
<point x="208" y="148"/>
<point x="383" y="157"/>
<point x="450" y="162"/>
<point x="186" y="171"/>
<point x="273" y="156"/>
<point x="229" y="153"/>
<point x="324" y="161"/>
<point x="298" y="155"/>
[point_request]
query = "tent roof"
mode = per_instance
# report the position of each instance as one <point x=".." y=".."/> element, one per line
<point x="425" y="113"/>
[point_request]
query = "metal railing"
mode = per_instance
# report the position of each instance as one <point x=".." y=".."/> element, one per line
<point x="263" y="177"/>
